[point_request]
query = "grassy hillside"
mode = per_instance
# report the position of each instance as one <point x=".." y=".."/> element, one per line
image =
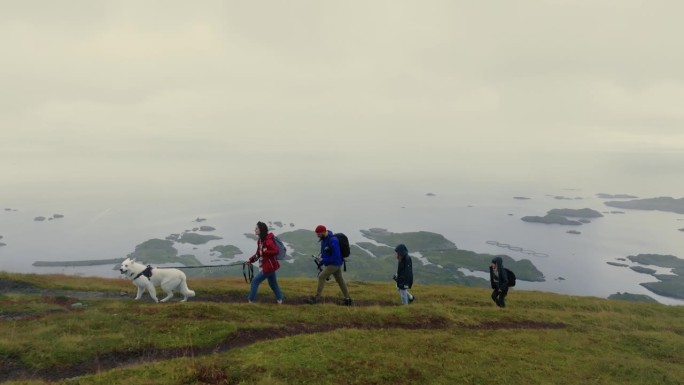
<point x="73" y="330"/>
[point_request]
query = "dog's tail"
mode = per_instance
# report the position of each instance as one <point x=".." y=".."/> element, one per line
<point x="185" y="290"/>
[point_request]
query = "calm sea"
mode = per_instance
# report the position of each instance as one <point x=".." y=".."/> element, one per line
<point x="572" y="263"/>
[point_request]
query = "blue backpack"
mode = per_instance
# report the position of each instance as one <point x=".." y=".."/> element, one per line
<point x="282" y="250"/>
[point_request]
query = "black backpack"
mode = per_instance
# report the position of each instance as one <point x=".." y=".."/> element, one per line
<point x="511" y="277"/>
<point x="344" y="248"/>
<point x="344" y="245"/>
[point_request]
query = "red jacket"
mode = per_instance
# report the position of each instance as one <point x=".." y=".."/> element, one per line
<point x="266" y="254"/>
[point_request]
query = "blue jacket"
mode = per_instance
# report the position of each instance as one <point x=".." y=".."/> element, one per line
<point x="330" y="250"/>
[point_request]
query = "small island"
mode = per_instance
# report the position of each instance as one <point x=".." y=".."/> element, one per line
<point x="643" y="270"/>
<point x="576" y="213"/>
<point x="227" y="251"/>
<point x="632" y="297"/>
<point x="617" y="264"/>
<point x="550" y="219"/>
<point x="615" y="196"/>
<point x="196" y="239"/>
<point x="560" y="217"/>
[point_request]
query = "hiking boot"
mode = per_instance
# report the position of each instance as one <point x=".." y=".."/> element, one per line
<point x="312" y="300"/>
<point x="411" y="299"/>
<point x="347" y="302"/>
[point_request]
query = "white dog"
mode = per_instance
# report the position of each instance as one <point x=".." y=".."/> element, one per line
<point x="147" y="277"/>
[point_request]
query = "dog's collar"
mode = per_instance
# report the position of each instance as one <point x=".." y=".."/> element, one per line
<point x="147" y="273"/>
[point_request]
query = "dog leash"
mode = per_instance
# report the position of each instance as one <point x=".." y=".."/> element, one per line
<point x="247" y="269"/>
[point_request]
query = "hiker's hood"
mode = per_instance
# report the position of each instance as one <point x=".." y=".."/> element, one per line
<point x="401" y="250"/>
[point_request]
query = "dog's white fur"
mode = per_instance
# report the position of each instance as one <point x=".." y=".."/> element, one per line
<point x="168" y="279"/>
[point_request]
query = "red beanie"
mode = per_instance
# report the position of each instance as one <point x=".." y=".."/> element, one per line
<point x="320" y="229"/>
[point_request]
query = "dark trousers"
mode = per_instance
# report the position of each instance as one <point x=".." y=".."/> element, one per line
<point x="498" y="297"/>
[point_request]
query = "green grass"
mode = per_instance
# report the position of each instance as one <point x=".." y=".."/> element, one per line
<point x="451" y="335"/>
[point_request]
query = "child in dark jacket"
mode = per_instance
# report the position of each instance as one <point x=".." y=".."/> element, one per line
<point x="404" y="276"/>
<point x="499" y="280"/>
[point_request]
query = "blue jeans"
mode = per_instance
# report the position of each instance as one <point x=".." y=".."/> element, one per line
<point x="272" y="282"/>
<point x="405" y="295"/>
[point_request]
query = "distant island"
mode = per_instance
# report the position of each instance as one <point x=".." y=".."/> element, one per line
<point x="632" y="297"/>
<point x="551" y="219"/>
<point x="521" y="198"/>
<point x="576" y="213"/>
<point x="560" y="197"/>
<point x="42" y="218"/>
<point x="560" y="217"/>
<point x="196" y="239"/>
<point x="643" y="270"/>
<point x="615" y="196"/>
<point x="668" y="204"/>
<point x="668" y="285"/>
<point x="617" y="264"/>
<point x="227" y="251"/>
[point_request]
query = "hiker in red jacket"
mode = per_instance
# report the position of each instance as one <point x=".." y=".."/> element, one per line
<point x="266" y="254"/>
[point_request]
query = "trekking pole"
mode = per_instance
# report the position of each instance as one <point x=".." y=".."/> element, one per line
<point x="318" y="265"/>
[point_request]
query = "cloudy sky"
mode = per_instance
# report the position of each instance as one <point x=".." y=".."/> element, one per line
<point x="136" y="92"/>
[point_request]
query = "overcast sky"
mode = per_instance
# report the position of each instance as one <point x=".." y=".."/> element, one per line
<point x="123" y="90"/>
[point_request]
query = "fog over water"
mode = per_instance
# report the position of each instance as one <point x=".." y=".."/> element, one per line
<point x="132" y="121"/>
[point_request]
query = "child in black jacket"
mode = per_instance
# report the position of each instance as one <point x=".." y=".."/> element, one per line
<point x="404" y="276"/>
<point x="499" y="280"/>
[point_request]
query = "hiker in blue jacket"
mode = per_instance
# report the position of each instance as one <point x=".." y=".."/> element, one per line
<point x="331" y="258"/>
<point x="499" y="280"/>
